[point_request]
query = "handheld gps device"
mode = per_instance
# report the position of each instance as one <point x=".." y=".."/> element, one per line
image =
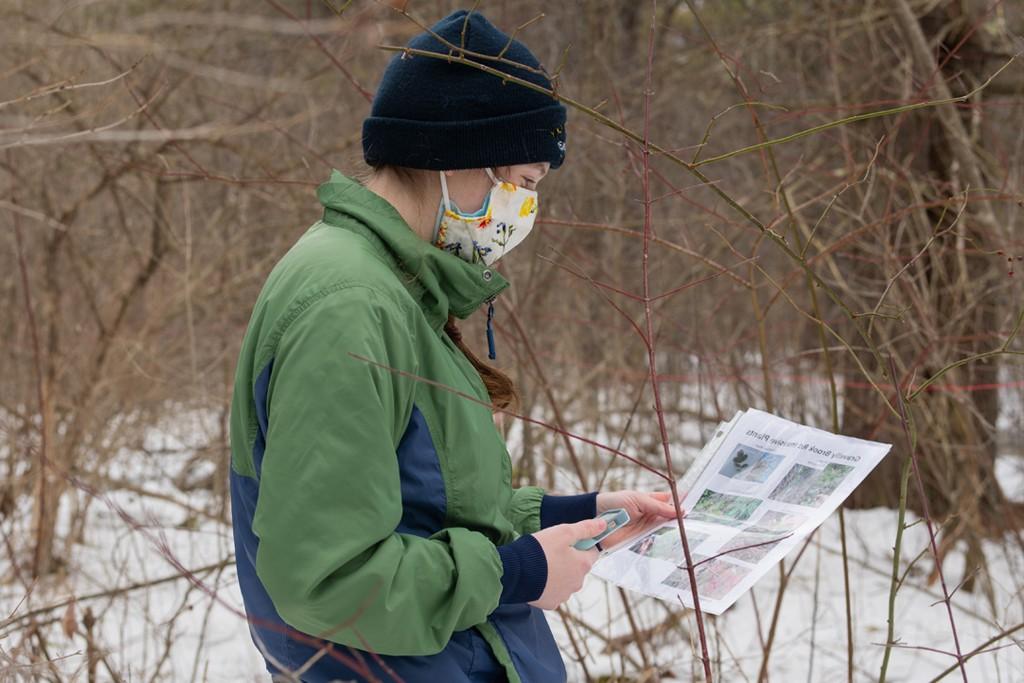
<point x="616" y="519"/>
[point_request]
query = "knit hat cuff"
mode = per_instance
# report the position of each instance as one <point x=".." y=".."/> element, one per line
<point x="528" y="137"/>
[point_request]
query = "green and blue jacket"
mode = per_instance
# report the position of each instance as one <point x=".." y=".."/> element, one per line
<point x="372" y="505"/>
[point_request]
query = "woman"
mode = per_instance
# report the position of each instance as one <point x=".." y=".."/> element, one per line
<point x="371" y="495"/>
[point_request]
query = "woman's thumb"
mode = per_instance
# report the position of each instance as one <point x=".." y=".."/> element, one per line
<point x="588" y="528"/>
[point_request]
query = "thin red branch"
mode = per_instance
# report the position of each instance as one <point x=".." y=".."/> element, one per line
<point x="652" y="361"/>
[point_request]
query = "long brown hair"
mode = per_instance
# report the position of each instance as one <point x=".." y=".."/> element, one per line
<point x="500" y="387"/>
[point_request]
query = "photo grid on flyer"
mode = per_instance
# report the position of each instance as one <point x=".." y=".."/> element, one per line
<point x="760" y="486"/>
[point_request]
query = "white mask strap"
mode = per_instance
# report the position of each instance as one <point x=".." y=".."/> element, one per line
<point x="444" y="187"/>
<point x="444" y="192"/>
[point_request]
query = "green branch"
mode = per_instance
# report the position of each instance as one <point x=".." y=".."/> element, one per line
<point x="1002" y="350"/>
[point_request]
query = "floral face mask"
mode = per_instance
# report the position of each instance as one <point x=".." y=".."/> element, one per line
<point x="485" y="236"/>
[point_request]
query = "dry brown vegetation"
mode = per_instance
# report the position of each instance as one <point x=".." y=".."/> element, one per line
<point x="158" y="158"/>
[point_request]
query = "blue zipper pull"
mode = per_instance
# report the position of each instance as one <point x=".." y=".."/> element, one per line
<point x="490" y="330"/>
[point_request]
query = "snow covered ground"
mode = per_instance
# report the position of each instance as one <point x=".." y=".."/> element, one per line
<point x="173" y="631"/>
<point x="810" y="644"/>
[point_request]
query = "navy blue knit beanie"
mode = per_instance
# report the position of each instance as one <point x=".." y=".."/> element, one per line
<point x="436" y="114"/>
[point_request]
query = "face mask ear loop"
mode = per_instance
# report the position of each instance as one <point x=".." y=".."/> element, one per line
<point x="491" y="173"/>
<point x="444" y="192"/>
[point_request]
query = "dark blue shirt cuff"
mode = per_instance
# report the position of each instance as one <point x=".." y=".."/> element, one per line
<point x="525" y="570"/>
<point x="567" y="509"/>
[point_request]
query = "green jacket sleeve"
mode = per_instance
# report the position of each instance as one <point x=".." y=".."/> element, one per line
<point x="330" y="497"/>
<point x="531" y="508"/>
<point x="524" y="509"/>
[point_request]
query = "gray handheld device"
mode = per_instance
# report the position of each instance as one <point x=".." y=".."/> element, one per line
<point x="616" y="519"/>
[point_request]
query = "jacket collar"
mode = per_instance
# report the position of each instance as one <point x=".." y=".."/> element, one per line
<point x="439" y="281"/>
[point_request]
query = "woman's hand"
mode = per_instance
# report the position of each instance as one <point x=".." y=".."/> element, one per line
<point x="567" y="566"/>
<point x="646" y="511"/>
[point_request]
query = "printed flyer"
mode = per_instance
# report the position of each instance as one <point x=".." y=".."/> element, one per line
<point x="759" y="487"/>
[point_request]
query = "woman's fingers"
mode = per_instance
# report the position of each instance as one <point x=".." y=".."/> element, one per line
<point x="659" y="503"/>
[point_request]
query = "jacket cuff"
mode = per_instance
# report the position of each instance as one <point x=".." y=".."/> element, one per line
<point x="524" y="509"/>
<point x="567" y="509"/>
<point x="525" y="570"/>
